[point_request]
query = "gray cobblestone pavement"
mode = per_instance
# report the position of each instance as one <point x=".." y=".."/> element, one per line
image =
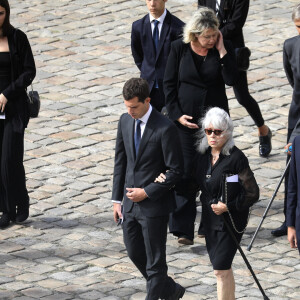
<point x="70" y="248"/>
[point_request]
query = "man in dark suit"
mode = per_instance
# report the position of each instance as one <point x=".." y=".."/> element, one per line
<point x="151" y="39"/>
<point x="232" y="15"/>
<point x="146" y="145"/>
<point x="293" y="197"/>
<point x="291" y="50"/>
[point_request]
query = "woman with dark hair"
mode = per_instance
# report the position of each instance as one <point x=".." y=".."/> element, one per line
<point x="17" y="70"/>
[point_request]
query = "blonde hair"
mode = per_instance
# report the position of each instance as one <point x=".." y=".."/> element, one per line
<point x="220" y="119"/>
<point x="203" y="19"/>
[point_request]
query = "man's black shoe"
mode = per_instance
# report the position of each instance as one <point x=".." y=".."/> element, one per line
<point x="22" y="215"/>
<point x="178" y="293"/>
<point x="280" y="231"/>
<point x="265" y="145"/>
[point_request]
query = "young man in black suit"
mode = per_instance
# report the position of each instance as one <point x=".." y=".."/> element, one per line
<point x="146" y="145"/>
<point x="151" y="39"/>
<point x="232" y="15"/>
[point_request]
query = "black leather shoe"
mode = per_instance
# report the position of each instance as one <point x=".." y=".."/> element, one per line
<point x="178" y="293"/>
<point x="4" y="221"/>
<point x="22" y="215"/>
<point x="265" y="145"/>
<point x="280" y="231"/>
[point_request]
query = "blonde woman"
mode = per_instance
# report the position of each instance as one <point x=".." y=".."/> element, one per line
<point x="197" y="70"/>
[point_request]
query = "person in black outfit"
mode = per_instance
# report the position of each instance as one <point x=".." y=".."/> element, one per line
<point x="17" y="70"/>
<point x="151" y="38"/>
<point x="216" y="157"/>
<point x="232" y="15"/>
<point x="291" y="66"/>
<point x="146" y="144"/>
<point x="196" y="73"/>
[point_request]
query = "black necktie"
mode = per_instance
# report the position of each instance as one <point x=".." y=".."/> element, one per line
<point x="137" y="136"/>
<point x="155" y="40"/>
<point x="155" y="34"/>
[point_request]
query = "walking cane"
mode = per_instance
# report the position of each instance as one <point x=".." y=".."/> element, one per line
<point x="269" y="205"/>
<point x="245" y="258"/>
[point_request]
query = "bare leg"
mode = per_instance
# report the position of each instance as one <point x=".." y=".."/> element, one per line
<point x="225" y="284"/>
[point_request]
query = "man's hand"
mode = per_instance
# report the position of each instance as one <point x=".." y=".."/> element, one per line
<point x="292" y="238"/>
<point x="219" y="208"/>
<point x="136" y="194"/>
<point x="117" y="212"/>
<point x="286" y="148"/>
<point x="184" y="120"/>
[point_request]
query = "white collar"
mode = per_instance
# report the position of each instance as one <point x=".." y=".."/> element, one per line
<point x="160" y="19"/>
<point x="146" y="116"/>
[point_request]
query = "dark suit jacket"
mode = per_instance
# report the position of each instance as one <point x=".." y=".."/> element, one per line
<point x="293" y="197"/>
<point x="232" y="17"/>
<point x="159" y="151"/>
<point x="190" y="91"/>
<point x="23" y="72"/>
<point x="152" y="65"/>
<point x="291" y="63"/>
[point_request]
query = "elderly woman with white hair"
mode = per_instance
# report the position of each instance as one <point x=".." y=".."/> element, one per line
<point x="219" y="160"/>
<point x="196" y="73"/>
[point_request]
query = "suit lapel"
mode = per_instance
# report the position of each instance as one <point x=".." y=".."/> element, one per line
<point x="164" y="31"/>
<point x="149" y="129"/>
<point x="148" y="36"/>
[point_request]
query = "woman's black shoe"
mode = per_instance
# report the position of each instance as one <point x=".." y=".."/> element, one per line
<point x="4" y="221"/>
<point x="265" y="145"/>
<point x="22" y="215"/>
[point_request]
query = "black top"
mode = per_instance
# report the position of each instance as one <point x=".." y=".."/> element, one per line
<point x="22" y="74"/>
<point x="209" y="180"/>
<point x="190" y="88"/>
<point x="5" y="73"/>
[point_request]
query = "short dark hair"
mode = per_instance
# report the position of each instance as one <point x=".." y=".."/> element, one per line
<point x="6" y="27"/>
<point x="136" y="87"/>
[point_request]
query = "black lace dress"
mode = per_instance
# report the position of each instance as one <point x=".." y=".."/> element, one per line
<point x="220" y="245"/>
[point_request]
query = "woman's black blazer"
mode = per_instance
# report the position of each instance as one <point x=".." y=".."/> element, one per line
<point x="189" y="91"/>
<point x="22" y="74"/>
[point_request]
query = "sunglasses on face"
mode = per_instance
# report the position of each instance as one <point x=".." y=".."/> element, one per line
<point x="217" y="132"/>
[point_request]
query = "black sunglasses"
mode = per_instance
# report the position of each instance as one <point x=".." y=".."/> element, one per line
<point x="217" y="132"/>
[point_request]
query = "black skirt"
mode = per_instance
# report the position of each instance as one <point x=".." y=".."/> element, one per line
<point x="221" y="248"/>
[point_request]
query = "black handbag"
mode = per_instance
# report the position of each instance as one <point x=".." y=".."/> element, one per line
<point x="33" y="102"/>
<point x="242" y="58"/>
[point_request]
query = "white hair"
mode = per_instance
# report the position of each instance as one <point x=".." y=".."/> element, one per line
<point x="204" y="18"/>
<point x="296" y="13"/>
<point x="218" y="118"/>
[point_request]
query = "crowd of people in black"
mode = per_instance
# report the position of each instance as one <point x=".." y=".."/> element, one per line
<point x="164" y="160"/>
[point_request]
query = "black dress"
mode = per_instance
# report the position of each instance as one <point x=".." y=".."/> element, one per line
<point x="220" y="245"/>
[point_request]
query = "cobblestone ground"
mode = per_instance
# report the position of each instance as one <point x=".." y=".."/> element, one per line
<point x="70" y="248"/>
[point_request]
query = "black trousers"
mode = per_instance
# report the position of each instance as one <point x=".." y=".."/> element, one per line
<point x="145" y="240"/>
<point x="182" y="220"/>
<point x="243" y="96"/>
<point x="157" y="98"/>
<point x="286" y="178"/>
<point x="13" y="192"/>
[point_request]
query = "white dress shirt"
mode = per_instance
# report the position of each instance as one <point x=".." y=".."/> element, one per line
<point x="160" y="24"/>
